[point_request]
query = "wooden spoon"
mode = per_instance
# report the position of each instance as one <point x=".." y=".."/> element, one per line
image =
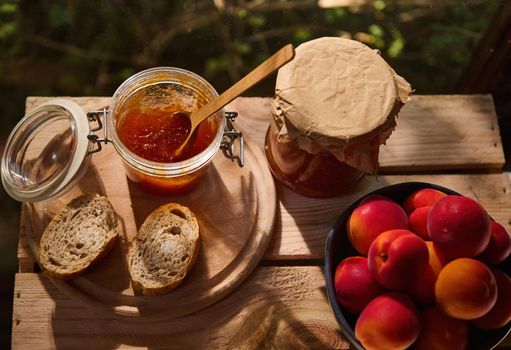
<point x="273" y="63"/>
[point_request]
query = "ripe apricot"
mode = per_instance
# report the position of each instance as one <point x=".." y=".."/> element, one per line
<point x="500" y="314"/>
<point x="396" y="258"/>
<point x="390" y="321"/>
<point x="425" y="197"/>
<point x="498" y="248"/>
<point x="459" y="226"/>
<point x="374" y="215"/>
<point x="441" y="332"/>
<point x="419" y="222"/>
<point x="465" y="289"/>
<point x="422" y="289"/>
<point x="354" y="285"/>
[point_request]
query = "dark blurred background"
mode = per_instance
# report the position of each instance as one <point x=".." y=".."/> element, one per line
<point x="85" y="48"/>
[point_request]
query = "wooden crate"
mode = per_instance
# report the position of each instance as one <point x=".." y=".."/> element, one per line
<point x="452" y="141"/>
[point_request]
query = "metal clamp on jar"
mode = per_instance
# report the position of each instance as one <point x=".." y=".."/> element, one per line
<point x="49" y="150"/>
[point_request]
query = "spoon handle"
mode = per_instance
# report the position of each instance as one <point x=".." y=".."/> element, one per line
<point x="262" y="71"/>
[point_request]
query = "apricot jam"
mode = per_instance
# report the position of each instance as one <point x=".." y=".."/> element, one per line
<point x="156" y="135"/>
<point x="150" y="122"/>
<point x="315" y="175"/>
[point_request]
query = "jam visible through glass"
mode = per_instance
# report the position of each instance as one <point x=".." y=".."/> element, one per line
<point x="313" y="175"/>
<point x="156" y="133"/>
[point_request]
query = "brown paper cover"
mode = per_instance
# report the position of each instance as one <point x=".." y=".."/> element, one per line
<point x="338" y="94"/>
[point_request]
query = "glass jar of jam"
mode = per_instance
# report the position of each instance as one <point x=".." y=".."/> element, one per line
<point x="49" y="150"/>
<point x="148" y="122"/>
<point x="335" y="103"/>
<point x="312" y="175"/>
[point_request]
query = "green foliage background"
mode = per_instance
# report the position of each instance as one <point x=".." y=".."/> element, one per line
<point x="89" y="47"/>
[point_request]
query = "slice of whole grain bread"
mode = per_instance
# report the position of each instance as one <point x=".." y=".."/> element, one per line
<point x="164" y="249"/>
<point x="79" y="235"/>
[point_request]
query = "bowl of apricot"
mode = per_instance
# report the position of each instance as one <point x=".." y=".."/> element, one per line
<point x="419" y="265"/>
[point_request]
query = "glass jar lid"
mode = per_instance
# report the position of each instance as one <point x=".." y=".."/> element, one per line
<point x="47" y="152"/>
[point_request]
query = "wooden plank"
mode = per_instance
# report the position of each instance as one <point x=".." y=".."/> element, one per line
<point x="280" y="307"/>
<point x="448" y="132"/>
<point x="303" y="223"/>
<point x="88" y="104"/>
<point x="25" y="257"/>
<point x="433" y="133"/>
<point x="277" y="307"/>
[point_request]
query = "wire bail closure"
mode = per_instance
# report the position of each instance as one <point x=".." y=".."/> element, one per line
<point x="230" y="135"/>
<point x="227" y="145"/>
<point x="95" y="116"/>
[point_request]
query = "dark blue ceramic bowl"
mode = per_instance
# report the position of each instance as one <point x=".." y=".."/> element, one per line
<point x="338" y="247"/>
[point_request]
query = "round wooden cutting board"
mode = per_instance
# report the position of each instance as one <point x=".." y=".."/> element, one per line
<point x="235" y="208"/>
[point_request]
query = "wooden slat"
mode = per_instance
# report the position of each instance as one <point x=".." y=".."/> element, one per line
<point x="445" y="133"/>
<point x="280" y="308"/>
<point x="433" y="133"/>
<point x="25" y="258"/>
<point x="88" y="104"/>
<point x="436" y="132"/>
<point x="303" y="222"/>
<point x="277" y="308"/>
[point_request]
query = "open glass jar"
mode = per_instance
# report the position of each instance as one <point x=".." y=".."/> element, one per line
<point x="49" y="150"/>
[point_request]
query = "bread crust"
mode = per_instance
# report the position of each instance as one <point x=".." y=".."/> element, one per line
<point x="56" y="229"/>
<point x="155" y="228"/>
